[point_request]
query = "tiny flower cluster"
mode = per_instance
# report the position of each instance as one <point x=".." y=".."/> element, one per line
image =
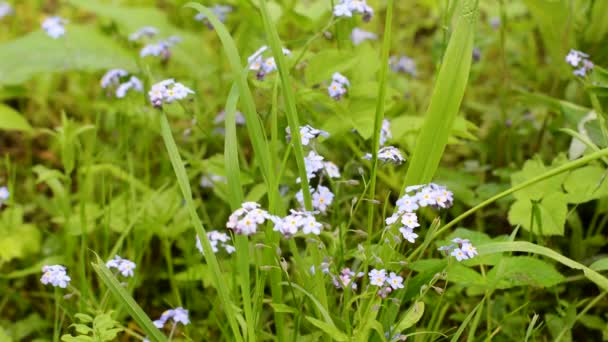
<point x="220" y="11"/>
<point x="321" y="198"/>
<point x="462" y="249"/>
<point x="178" y="315"/>
<point x="579" y="60"/>
<point x="112" y="78"/>
<point x="146" y="31"/>
<point x="307" y="133"/>
<point x="346" y="278"/>
<point x="246" y="219"/>
<point x="124" y="266"/>
<point x="388" y="154"/>
<point x="289" y="225"/>
<point x="168" y="91"/>
<point x="4" y="195"/>
<point x="216" y="239"/>
<point x="386" y="283"/>
<point x="54" y="26"/>
<point x="358" y="36"/>
<point x="403" y="64"/>
<point x="338" y="87"/>
<point x="314" y="163"/>
<point x="160" y="49"/>
<point x="263" y="66"/>
<point x="346" y="8"/>
<point x="426" y="195"/>
<point x="5" y="9"/>
<point x="55" y="275"/>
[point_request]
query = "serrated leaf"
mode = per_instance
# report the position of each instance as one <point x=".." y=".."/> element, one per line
<point x="10" y="119"/>
<point x="525" y="271"/>
<point x="82" y="48"/>
<point x="553" y="210"/>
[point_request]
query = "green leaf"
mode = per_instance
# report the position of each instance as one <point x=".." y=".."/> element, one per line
<point x="322" y="65"/>
<point x="411" y="317"/>
<point x="10" y="119"/>
<point x="278" y="307"/>
<point x="600" y="265"/>
<point x="82" y="48"/>
<point x="121" y="295"/>
<point x="531" y="169"/>
<point x="17" y="239"/>
<point x="586" y="184"/>
<point x="329" y="329"/>
<point x="446" y="98"/>
<point x="525" y="271"/>
<point x="553" y="210"/>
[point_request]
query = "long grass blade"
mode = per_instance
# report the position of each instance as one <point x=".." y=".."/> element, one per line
<point x="446" y="98"/>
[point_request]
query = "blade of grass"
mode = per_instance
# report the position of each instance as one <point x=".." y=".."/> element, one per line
<point x="235" y="197"/>
<point x="446" y="98"/>
<point x="184" y="184"/>
<point x="121" y="295"/>
<point x="466" y="321"/>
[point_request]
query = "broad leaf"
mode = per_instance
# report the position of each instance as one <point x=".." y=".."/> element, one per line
<point x="551" y="216"/>
<point x="524" y="271"/>
<point x="10" y="119"/>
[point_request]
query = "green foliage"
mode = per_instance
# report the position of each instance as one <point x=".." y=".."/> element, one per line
<point x="18" y="239"/>
<point x="100" y="328"/>
<point x="10" y="119"/>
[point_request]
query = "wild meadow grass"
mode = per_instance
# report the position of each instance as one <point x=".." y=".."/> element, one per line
<point x="311" y="170"/>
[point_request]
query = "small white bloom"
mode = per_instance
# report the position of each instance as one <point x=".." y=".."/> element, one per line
<point x="331" y="169"/>
<point x="407" y="203"/>
<point x="358" y="36"/>
<point x="342" y="10"/>
<point x="54" y="26"/>
<point x="220" y="11"/>
<point x="377" y="277"/>
<point x="216" y="239"/>
<point x="124" y="266"/>
<point x="336" y="90"/>
<point x="56" y="275"/>
<point x="168" y="91"/>
<point x="403" y="64"/>
<point x="4" y="194"/>
<point x="146" y="31"/>
<point x="133" y="83"/>
<point x="408" y="234"/>
<point x="390" y="154"/>
<point x="395" y="281"/>
<point x="459" y="254"/>
<point x="385" y="132"/>
<point x="179" y="315"/>
<point x="307" y="133"/>
<point x="425" y="197"/>
<point x="410" y="220"/>
<point x="5" y="10"/>
<point x="313" y="163"/>
<point x="322" y="198"/>
<point x="339" y="78"/>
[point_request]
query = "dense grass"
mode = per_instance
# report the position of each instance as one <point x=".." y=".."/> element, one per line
<point x="494" y="121"/>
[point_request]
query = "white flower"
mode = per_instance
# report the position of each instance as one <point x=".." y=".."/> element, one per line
<point x="339" y="78"/>
<point x="322" y="198"/>
<point x="414" y="187"/>
<point x="313" y="163"/>
<point x="403" y="64"/>
<point x="160" y="49"/>
<point x="146" y="31"/>
<point x="246" y="219"/>
<point x="220" y="11"/>
<point x="289" y="225"/>
<point x="385" y="132"/>
<point x="336" y="90"/>
<point x="358" y="36"/>
<point x="168" y="91"/>
<point x="179" y="315"/>
<point x="5" y="10"/>
<point x="395" y="281"/>
<point x="4" y="194"/>
<point x="459" y="254"/>
<point x="469" y="250"/>
<point x="407" y="203"/>
<point x="133" y="83"/>
<point x="392" y="219"/>
<point x="112" y="77"/>
<point x="408" y="234"/>
<point x="54" y="26"/>
<point x="579" y="60"/>
<point x="377" y="277"/>
<point x="124" y="266"/>
<point x="256" y="62"/>
<point x="307" y="133"/>
<point x="331" y="169"/>
<point x="342" y="10"/>
<point x="311" y="226"/>
<point x="426" y="197"/>
<point x="390" y="154"/>
<point x="55" y="275"/>
<point x="216" y="239"/>
<point x="410" y="220"/>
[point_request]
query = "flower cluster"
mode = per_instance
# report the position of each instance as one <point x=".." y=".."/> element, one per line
<point x="178" y="315"/>
<point x="146" y="31"/>
<point x="4" y="195"/>
<point x="338" y="87"/>
<point x="346" y="8"/>
<point x="220" y="11"/>
<point x="160" y="49"/>
<point x="289" y="225"/>
<point x="314" y="163"/>
<point x="403" y="64"/>
<point x="168" y="91"/>
<point x="461" y="249"/>
<point x="216" y="239"/>
<point x="307" y="133"/>
<point x="386" y="283"/>
<point x="346" y="278"/>
<point x="55" y="275"/>
<point x="246" y="219"/>
<point x="54" y="26"/>
<point x="385" y="132"/>
<point x="263" y="66"/>
<point x="5" y="9"/>
<point x="425" y="195"/>
<point x="321" y="198"/>
<point x="112" y="78"/>
<point x="388" y="154"/>
<point x="358" y="36"/>
<point x="579" y="60"/>
<point x="124" y="266"/>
